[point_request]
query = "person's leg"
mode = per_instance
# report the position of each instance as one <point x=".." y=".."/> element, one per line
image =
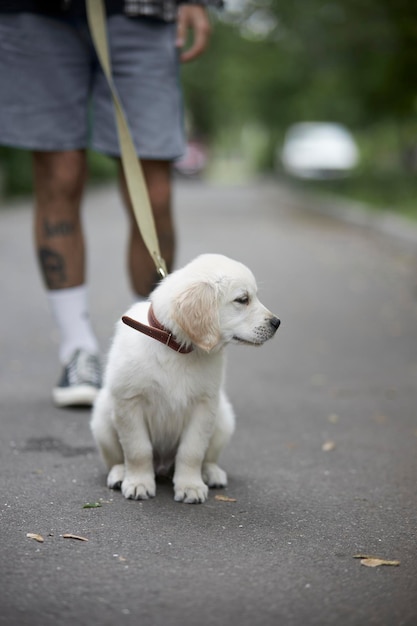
<point x="59" y="179"/>
<point x="53" y="56"/>
<point x="143" y="275"/>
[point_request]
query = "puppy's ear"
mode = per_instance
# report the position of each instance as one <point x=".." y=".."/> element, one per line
<point x="195" y="311"/>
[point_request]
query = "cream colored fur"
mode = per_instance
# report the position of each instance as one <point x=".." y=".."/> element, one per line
<point x="159" y="409"/>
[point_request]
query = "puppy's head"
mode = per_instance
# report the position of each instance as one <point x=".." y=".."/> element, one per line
<point x="212" y="301"/>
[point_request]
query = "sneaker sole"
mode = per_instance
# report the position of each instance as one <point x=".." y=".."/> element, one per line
<point x="82" y="395"/>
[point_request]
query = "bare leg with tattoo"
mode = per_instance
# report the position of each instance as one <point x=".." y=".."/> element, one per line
<point x="59" y="179"/>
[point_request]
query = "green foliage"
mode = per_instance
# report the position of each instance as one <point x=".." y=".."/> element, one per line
<point x="396" y="193"/>
<point x="15" y="172"/>
<point x="100" y="167"/>
<point x="353" y="62"/>
<point x="274" y="63"/>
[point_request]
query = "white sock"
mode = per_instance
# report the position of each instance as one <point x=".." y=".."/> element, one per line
<point x="70" y="309"/>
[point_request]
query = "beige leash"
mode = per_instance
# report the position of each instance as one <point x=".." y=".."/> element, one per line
<point x="131" y="166"/>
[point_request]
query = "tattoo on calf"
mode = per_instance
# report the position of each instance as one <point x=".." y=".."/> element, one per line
<point x="58" y="229"/>
<point x="53" y="268"/>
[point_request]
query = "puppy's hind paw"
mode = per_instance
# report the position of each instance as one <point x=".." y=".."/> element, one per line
<point x="139" y="488"/>
<point x="115" y="477"/>
<point x="191" y="494"/>
<point x="214" y="476"/>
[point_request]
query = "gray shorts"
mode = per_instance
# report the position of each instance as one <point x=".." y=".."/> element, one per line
<point x="54" y="96"/>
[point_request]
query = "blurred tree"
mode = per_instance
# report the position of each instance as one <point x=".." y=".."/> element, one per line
<point x="279" y="62"/>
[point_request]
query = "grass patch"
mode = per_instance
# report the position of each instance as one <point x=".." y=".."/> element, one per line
<point x="377" y="191"/>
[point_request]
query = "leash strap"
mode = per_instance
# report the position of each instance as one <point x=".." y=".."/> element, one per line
<point x="131" y="166"/>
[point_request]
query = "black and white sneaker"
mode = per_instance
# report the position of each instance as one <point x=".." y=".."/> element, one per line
<point x="80" y="381"/>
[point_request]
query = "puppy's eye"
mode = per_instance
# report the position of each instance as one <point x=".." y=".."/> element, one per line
<point x="243" y="299"/>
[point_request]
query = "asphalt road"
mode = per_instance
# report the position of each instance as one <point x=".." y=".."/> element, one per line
<point x="323" y="465"/>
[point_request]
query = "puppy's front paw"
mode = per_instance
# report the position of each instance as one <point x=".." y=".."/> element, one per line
<point x="191" y="493"/>
<point x="140" y="487"/>
<point x="214" y="476"/>
<point x="115" y="476"/>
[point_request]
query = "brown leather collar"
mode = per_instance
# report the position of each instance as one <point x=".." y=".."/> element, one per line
<point x="157" y="331"/>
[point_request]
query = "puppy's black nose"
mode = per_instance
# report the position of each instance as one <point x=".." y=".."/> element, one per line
<point x="275" y="322"/>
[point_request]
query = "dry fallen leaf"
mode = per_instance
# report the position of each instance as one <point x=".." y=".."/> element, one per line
<point x="373" y="561"/>
<point x="35" y="536"/>
<point x="378" y="562"/>
<point x="71" y="536"/>
<point x="328" y="445"/>
<point x="222" y="498"/>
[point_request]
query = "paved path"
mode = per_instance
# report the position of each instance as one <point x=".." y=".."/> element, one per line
<point x="323" y="465"/>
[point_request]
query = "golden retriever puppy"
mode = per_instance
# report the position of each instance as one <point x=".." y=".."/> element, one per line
<point x="162" y="405"/>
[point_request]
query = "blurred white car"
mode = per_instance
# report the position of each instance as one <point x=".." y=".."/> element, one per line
<point x="319" y="150"/>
